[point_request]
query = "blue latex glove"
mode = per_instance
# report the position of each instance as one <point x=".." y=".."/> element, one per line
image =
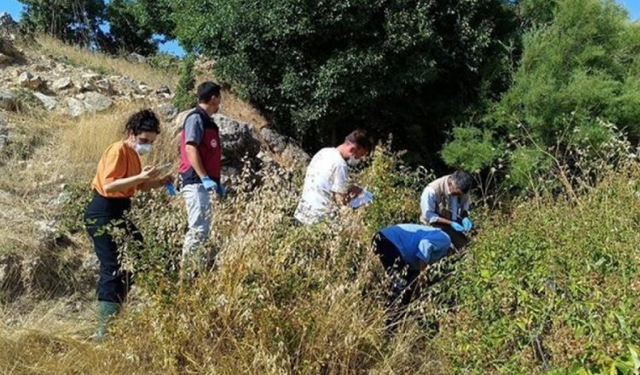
<point x="467" y="224"/>
<point x="208" y="183"/>
<point x="171" y="190"/>
<point x="221" y="190"/>
<point x="457" y="227"/>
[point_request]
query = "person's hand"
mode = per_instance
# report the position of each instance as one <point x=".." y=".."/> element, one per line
<point x="221" y="190"/>
<point x="467" y="224"/>
<point x="208" y="183"/>
<point x="167" y="180"/>
<point x="149" y="173"/>
<point x="457" y="227"/>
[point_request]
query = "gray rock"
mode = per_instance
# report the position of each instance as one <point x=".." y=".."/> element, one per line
<point x="48" y="102"/>
<point x="167" y="112"/>
<point x="163" y="92"/>
<point x="136" y="57"/>
<point x="96" y="102"/>
<point x="91" y="77"/>
<point x="274" y="140"/>
<point x="4" y="134"/>
<point x="62" y="84"/>
<point x="8" y="100"/>
<point x="30" y="81"/>
<point x="104" y="86"/>
<point x="296" y="155"/>
<point x="76" y="107"/>
<point x="4" y="58"/>
<point x="237" y="138"/>
<point x="127" y="85"/>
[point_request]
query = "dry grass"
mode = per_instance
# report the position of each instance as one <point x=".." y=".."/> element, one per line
<point x="106" y="64"/>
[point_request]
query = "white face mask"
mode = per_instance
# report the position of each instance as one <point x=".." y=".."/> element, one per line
<point x="142" y="149"/>
<point x="353" y="161"/>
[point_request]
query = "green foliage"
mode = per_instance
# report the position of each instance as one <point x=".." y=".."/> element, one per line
<point x="550" y="285"/>
<point x="132" y="23"/>
<point x="578" y="72"/>
<point x="74" y="21"/>
<point x="185" y="97"/>
<point x="406" y="67"/>
<point x="472" y="149"/>
<point x="127" y="32"/>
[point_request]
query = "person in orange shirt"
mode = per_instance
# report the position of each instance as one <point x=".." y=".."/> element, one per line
<point x="119" y="175"/>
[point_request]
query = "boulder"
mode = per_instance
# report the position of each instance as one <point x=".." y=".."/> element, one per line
<point x="76" y="107"/>
<point x="274" y="140"/>
<point x="237" y="138"/>
<point x="163" y="92"/>
<point x="136" y="57"/>
<point x="8" y="100"/>
<point x="167" y="111"/>
<point x="4" y="135"/>
<point x="30" y="81"/>
<point x="103" y="86"/>
<point x="96" y="102"/>
<point x="63" y="83"/>
<point x="295" y="155"/>
<point x="49" y="102"/>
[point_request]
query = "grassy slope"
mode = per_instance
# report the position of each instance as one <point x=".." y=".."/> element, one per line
<point x="553" y="283"/>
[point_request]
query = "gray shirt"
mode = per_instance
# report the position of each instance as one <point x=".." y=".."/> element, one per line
<point x="193" y="130"/>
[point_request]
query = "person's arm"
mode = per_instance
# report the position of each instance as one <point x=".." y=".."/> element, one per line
<point x="126" y="183"/>
<point x="342" y="193"/>
<point x="428" y="206"/>
<point x="194" y="132"/>
<point x="155" y="183"/>
<point x="193" y="155"/>
<point x="344" y="199"/>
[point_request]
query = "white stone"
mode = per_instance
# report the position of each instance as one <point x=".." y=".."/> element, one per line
<point x="48" y="102"/>
<point x="96" y="102"/>
<point x="62" y="83"/>
<point x="76" y="107"/>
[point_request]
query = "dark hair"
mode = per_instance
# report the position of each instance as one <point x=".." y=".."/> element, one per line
<point x="206" y="90"/>
<point x="143" y="121"/>
<point x="360" y="138"/>
<point x="462" y="180"/>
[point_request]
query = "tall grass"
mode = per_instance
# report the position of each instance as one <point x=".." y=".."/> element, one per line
<point x="550" y="286"/>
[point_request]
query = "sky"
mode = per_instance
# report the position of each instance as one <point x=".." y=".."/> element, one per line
<point x="14" y="8"/>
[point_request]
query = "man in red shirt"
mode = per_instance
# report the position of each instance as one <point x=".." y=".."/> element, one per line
<point x="200" y="158"/>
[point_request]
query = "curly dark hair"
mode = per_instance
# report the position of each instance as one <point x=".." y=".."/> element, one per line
<point x="143" y="121"/>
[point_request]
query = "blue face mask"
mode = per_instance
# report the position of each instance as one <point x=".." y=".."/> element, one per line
<point x="142" y="148"/>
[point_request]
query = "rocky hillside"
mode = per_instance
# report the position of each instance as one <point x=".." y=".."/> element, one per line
<point x="47" y="96"/>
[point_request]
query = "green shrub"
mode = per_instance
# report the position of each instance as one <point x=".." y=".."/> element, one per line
<point x="578" y="74"/>
<point x="393" y="66"/>
<point x="185" y="97"/>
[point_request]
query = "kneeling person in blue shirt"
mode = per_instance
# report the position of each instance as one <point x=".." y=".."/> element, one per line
<point x="405" y="250"/>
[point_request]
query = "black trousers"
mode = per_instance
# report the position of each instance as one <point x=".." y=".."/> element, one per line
<point x="101" y="217"/>
<point x="403" y="277"/>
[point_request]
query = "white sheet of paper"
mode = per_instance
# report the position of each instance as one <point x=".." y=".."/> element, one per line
<point x="365" y="197"/>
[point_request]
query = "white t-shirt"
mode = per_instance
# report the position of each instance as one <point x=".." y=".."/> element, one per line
<point x="327" y="173"/>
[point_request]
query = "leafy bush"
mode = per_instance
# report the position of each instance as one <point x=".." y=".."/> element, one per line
<point x="393" y="66"/>
<point x="185" y="97"/>
<point x="550" y="285"/>
<point x="578" y="73"/>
